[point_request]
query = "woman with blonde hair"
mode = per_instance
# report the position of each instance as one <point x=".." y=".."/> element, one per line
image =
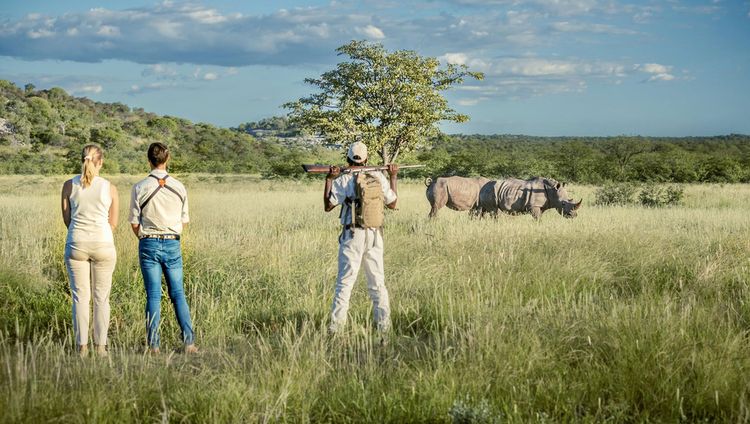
<point x="89" y="210"/>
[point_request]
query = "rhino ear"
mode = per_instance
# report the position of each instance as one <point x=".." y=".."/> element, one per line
<point x="564" y="184"/>
<point x="557" y="186"/>
<point x="578" y="205"/>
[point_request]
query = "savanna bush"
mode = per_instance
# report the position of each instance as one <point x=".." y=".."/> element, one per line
<point x="616" y="194"/>
<point x="655" y="196"/>
<point x="649" y="195"/>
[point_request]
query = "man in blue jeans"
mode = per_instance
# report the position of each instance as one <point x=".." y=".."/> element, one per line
<point x="158" y="213"/>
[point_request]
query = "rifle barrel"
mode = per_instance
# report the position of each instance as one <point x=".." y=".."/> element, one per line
<point x="323" y="169"/>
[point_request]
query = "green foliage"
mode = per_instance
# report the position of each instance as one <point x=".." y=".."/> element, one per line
<point x="279" y="126"/>
<point x="615" y="194"/>
<point x="654" y="195"/>
<point x="592" y="160"/>
<point x="464" y="411"/>
<point x="28" y="308"/>
<point x="48" y="128"/>
<point x="389" y="101"/>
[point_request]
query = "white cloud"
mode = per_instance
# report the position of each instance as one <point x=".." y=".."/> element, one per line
<point x="150" y="87"/>
<point x="527" y="76"/>
<point x="698" y="10"/>
<point x="454" y="58"/>
<point x="160" y="71"/>
<point x="661" y="77"/>
<point x="85" y="89"/>
<point x="542" y="67"/>
<point x="653" y="68"/>
<point x="658" y="72"/>
<point x="188" y="33"/>
<point x="372" y="32"/>
<point x="588" y="27"/>
<point x="167" y="29"/>
<point x="558" y="7"/>
<point x="207" y="16"/>
<point x="108" y="31"/>
<point x="40" y="33"/>
<point x="470" y="101"/>
<point x="200" y="74"/>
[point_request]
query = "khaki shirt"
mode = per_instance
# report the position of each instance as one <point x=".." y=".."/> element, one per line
<point x="165" y="212"/>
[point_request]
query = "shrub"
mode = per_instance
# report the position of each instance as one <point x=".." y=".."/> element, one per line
<point x="464" y="411"/>
<point x="615" y="194"/>
<point x="655" y="196"/>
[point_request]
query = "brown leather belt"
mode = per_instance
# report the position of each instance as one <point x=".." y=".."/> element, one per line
<point x="161" y="236"/>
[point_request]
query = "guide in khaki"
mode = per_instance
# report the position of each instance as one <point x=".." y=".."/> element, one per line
<point x="362" y="195"/>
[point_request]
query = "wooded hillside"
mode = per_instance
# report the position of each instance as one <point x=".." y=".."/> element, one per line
<point x="42" y="132"/>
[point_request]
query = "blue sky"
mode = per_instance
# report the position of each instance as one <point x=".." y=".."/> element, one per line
<point x="553" y="67"/>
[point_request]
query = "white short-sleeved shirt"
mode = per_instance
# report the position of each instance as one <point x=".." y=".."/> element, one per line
<point x="165" y="212"/>
<point x="89" y="211"/>
<point x="344" y="187"/>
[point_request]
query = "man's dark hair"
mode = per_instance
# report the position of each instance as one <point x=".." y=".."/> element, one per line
<point x="158" y="153"/>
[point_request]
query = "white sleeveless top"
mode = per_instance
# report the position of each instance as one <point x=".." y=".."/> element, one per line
<point x="89" y="212"/>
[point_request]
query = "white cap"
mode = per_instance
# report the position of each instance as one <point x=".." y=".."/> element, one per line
<point x="357" y="152"/>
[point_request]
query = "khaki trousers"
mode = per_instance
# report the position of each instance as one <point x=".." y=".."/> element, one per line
<point x="362" y="246"/>
<point x="90" y="266"/>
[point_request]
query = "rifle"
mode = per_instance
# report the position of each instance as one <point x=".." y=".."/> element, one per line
<point x="324" y="169"/>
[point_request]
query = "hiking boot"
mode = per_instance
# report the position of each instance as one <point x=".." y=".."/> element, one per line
<point x="191" y="349"/>
<point x="83" y="351"/>
<point x="101" y="350"/>
<point x="384" y="340"/>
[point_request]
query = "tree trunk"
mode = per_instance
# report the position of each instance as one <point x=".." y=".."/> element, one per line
<point x="384" y="156"/>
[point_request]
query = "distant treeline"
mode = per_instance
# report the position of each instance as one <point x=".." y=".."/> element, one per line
<point x="42" y="132"/>
<point x="594" y="160"/>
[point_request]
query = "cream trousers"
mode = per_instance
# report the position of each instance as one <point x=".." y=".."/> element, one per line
<point x="90" y="266"/>
<point x="362" y="247"/>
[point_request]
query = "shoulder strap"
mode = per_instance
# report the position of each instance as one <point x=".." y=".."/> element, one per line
<point x="162" y="184"/>
<point x="175" y="193"/>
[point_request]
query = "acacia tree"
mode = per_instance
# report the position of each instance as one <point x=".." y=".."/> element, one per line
<point x="622" y="150"/>
<point x="389" y="101"/>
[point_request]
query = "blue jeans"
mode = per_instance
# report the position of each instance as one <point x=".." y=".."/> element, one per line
<point x="156" y="257"/>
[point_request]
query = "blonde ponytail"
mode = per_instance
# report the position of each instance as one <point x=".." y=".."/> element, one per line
<point x="91" y="156"/>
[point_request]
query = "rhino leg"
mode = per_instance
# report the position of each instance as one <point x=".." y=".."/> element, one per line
<point x="536" y="212"/>
<point x="476" y="212"/>
<point x="433" y="212"/>
<point x="438" y="197"/>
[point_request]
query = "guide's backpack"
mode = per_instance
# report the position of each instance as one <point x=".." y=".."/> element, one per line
<point x="369" y="210"/>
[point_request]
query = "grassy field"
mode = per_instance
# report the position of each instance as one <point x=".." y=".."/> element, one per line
<point x="623" y="314"/>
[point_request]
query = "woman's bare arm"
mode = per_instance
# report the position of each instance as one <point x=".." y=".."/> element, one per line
<point x="114" y="207"/>
<point x="67" y="188"/>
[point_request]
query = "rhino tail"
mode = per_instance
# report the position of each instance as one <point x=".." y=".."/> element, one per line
<point x="428" y="181"/>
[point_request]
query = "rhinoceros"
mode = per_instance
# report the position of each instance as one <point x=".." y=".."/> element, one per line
<point x="458" y="193"/>
<point x="534" y="196"/>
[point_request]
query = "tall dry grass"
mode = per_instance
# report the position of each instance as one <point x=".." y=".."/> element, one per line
<point x="623" y="314"/>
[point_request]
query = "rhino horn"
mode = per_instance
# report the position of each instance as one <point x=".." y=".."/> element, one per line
<point x="578" y="205"/>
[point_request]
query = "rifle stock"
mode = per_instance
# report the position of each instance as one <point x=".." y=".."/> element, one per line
<point x="324" y="169"/>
